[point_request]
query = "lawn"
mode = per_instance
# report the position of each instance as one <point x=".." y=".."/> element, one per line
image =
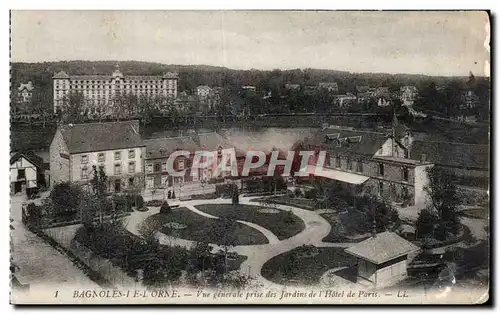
<point x="293" y="268"/>
<point x="201" y="229"/>
<point x="303" y="203"/>
<point x="283" y="224"/>
<point x="344" y="227"/>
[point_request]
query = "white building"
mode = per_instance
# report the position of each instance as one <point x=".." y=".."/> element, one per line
<point x="116" y="147"/>
<point x="25" y="92"/>
<point x="26" y="170"/>
<point x="408" y="95"/>
<point x="99" y="91"/>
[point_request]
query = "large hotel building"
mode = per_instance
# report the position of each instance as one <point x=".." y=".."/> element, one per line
<point x="99" y="90"/>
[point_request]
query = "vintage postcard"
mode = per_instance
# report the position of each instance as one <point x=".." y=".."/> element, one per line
<point x="250" y="157"/>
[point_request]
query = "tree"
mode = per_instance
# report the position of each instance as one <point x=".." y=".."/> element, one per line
<point x="225" y="232"/>
<point x="72" y="107"/>
<point x="235" y="195"/>
<point x="99" y="181"/>
<point x="65" y="197"/>
<point x="425" y="224"/>
<point x="443" y="194"/>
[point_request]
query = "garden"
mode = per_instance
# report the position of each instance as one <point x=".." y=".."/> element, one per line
<point x="183" y="223"/>
<point x="282" y="223"/>
<point x="305" y="265"/>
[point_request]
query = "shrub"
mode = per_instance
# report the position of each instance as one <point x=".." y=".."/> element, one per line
<point x="165" y="208"/>
<point x="122" y="203"/>
<point x="65" y="197"/>
<point x="33" y="214"/>
<point x="154" y="203"/>
<point x="135" y="200"/>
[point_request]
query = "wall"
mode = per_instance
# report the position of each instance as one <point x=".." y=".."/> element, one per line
<point x="366" y="270"/>
<point x="392" y="273"/>
<point x="30" y="172"/>
<point x="421" y="181"/>
<point x="108" y="163"/>
<point x="59" y="166"/>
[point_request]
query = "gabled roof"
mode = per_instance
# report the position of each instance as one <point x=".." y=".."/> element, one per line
<point x="212" y="141"/>
<point x="163" y="147"/>
<point x="369" y="143"/>
<point x="60" y="75"/>
<point x="452" y="154"/>
<point x="383" y="247"/>
<point x="37" y="161"/>
<point x="171" y="75"/>
<point x="92" y="137"/>
<point x="28" y="86"/>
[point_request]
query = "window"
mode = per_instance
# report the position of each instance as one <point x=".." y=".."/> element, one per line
<point x="404" y="174"/>
<point x="337" y="162"/>
<point x="118" y="156"/>
<point x="131" y="182"/>
<point x="21" y="174"/>
<point x="102" y="168"/>
<point x="163" y="166"/>
<point x="164" y="180"/>
<point x="349" y="163"/>
<point x="85" y="159"/>
<point x="380" y="187"/>
<point x="149" y="182"/>
<point x="180" y="164"/>
<point x="101" y="157"/>
<point x="157" y="167"/>
<point x="131" y="154"/>
<point x="149" y="168"/>
<point x="118" y="169"/>
<point x="131" y="167"/>
<point x="359" y="165"/>
<point x="84" y="173"/>
<point x="381" y="169"/>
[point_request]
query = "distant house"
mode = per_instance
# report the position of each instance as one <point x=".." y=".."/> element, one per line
<point x="25" y="92"/>
<point x="332" y="87"/>
<point x="203" y="91"/>
<point x="382" y="259"/>
<point x="469" y="100"/>
<point x="408" y="95"/>
<point x="116" y="147"/>
<point x="346" y="100"/>
<point x="383" y="102"/>
<point x="26" y="172"/>
<point x="364" y="93"/>
<point x="310" y="90"/>
<point x="292" y="86"/>
<point x="249" y="88"/>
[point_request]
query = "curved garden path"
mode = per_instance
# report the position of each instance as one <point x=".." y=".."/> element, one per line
<point x="316" y="228"/>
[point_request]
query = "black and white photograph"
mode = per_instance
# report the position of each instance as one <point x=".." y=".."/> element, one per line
<point x="250" y="157"/>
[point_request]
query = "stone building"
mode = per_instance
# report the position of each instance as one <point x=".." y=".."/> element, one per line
<point x="99" y="91"/>
<point x="372" y="162"/>
<point x="116" y="147"/>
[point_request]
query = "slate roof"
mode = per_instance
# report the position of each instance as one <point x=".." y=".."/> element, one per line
<point x="369" y="144"/>
<point x="163" y="147"/>
<point x="92" y="137"/>
<point x="36" y="160"/>
<point x="452" y="154"/>
<point x="383" y="247"/>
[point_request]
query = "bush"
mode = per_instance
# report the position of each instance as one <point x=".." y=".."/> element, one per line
<point x="165" y="208"/>
<point x="33" y="214"/>
<point x="65" y="197"/>
<point x="154" y="203"/>
<point x="135" y="200"/>
<point x="122" y="204"/>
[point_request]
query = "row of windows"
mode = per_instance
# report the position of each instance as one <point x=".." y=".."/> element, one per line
<point x="101" y="157"/>
<point x="359" y="167"/>
<point x="117" y="169"/>
<point x="162" y="167"/>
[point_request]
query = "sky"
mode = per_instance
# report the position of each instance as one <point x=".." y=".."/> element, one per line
<point x="431" y="43"/>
